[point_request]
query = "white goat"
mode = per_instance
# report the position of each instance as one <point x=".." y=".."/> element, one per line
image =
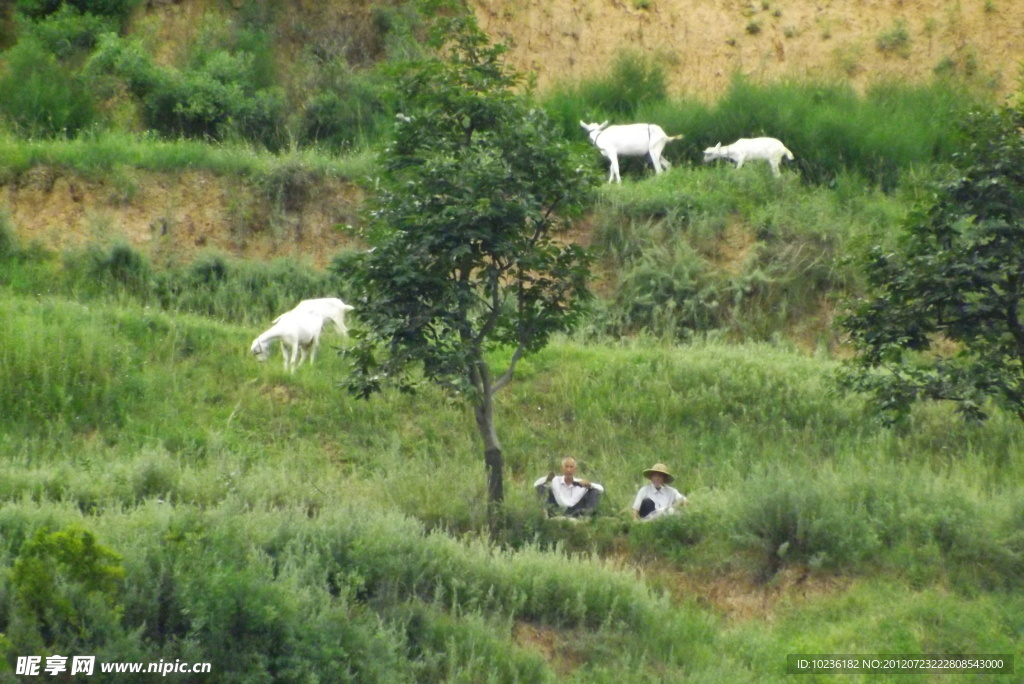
<point x="630" y="140"/>
<point x="299" y="335"/>
<point x="768" y="149"/>
<point x="330" y="308"/>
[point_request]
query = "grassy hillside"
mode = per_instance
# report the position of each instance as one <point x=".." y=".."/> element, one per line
<point x="274" y="526"/>
<point x="164" y="497"/>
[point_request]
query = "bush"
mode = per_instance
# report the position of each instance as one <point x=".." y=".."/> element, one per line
<point x="223" y="94"/>
<point x="350" y="112"/>
<point x="119" y="269"/>
<point x="68" y="32"/>
<point x="40" y="98"/>
<point x="65" y="591"/>
<point x="790" y="519"/>
<point x="116" y="9"/>
<point x="666" y="292"/>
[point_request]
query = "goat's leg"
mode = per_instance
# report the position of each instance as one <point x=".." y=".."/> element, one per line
<point x="655" y="161"/>
<point x="775" y="167"/>
<point x="613" y="169"/>
<point x="293" y="350"/>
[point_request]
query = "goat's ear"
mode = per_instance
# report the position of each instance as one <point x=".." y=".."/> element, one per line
<point x="603" y="126"/>
<point x="584" y="126"/>
<point x="718" y="146"/>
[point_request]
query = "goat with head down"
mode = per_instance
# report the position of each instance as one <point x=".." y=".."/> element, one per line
<point x="768" y="149"/>
<point x="630" y="140"/>
<point x="298" y="333"/>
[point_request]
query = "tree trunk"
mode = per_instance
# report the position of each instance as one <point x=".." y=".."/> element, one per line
<point x="495" y="476"/>
<point x="493" y="461"/>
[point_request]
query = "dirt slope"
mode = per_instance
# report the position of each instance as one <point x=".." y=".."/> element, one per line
<point x="172" y="218"/>
<point x="704" y="42"/>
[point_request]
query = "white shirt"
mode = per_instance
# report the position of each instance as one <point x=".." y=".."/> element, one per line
<point x="566" y="495"/>
<point x="662" y="498"/>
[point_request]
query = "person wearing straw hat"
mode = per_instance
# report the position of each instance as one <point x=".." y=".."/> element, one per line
<point x="565" y="494"/>
<point x="656" y="498"/>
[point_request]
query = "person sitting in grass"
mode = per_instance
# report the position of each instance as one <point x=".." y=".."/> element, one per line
<point x="566" y="495"/>
<point x="656" y="498"/>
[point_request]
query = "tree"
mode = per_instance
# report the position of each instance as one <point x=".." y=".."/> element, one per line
<point x="942" y="315"/>
<point x="464" y="266"/>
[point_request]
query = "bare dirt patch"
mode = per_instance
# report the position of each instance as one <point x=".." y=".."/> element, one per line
<point x="553" y="644"/>
<point x="704" y="43"/>
<point x="174" y="217"/>
<point x="741" y="596"/>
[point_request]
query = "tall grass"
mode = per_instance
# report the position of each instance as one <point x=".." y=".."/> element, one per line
<point x="275" y="526"/>
<point x="740" y="254"/>
<point x="96" y="155"/>
<point x="879" y="136"/>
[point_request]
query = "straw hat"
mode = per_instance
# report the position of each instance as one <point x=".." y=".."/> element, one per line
<point x="659" y="468"/>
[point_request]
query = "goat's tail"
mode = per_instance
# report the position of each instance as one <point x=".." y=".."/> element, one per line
<point x="789" y="155"/>
<point x="674" y="137"/>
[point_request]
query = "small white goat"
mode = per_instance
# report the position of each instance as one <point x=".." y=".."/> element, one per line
<point x="768" y="149"/>
<point x="330" y="308"/>
<point x="299" y="335"/>
<point x="630" y="140"/>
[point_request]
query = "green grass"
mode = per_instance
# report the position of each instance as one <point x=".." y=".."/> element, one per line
<point x="249" y="506"/>
<point x="739" y="254"/>
<point x="879" y="136"/>
<point x="96" y="155"/>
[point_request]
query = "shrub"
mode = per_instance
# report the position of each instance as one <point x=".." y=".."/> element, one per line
<point x="667" y="292"/>
<point x="41" y="9"/>
<point x="121" y="269"/>
<point x="350" y="111"/>
<point x="38" y="97"/>
<point x="65" y="590"/>
<point x="68" y="32"/>
<point x="895" y="40"/>
<point x="224" y="93"/>
<point x="790" y="518"/>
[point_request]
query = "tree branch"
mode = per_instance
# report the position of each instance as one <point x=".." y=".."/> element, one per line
<point x="507" y="375"/>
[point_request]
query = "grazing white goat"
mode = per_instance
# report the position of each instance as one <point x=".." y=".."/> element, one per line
<point x="768" y="149"/>
<point x="299" y="335"/>
<point x="630" y="140"/>
<point x="330" y="308"/>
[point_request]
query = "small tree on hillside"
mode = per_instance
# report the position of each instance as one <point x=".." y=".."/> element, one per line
<point x="942" y="318"/>
<point x="464" y="270"/>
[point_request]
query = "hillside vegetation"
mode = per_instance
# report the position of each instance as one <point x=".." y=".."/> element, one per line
<point x="164" y="497"/>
